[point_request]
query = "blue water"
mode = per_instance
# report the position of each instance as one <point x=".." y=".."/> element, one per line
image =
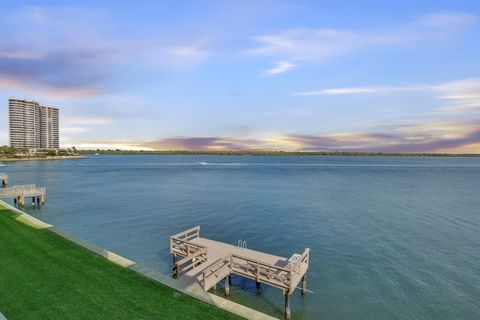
<point x="390" y="237"/>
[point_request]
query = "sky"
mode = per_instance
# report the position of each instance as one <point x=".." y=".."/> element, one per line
<point x="377" y="76"/>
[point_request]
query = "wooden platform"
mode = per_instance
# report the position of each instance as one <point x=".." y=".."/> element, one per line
<point x="19" y="193"/>
<point x="206" y="261"/>
<point x="4" y="179"/>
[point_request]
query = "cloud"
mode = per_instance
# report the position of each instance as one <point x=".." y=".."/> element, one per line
<point x="125" y="145"/>
<point x="69" y="52"/>
<point x="97" y="120"/>
<point x="464" y="93"/>
<point x="462" y="89"/>
<point x="70" y="130"/>
<point x="179" y="56"/>
<point x="362" y="90"/>
<point x="311" y="45"/>
<point x="448" y="21"/>
<point x="320" y="45"/>
<point x="70" y="126"/>
<point x="69" y="73"/>
<point x="413" y="137"/>
<point x="408" y="138"/>
<point x="280" y="67"/>
<point x="203" y="143"/>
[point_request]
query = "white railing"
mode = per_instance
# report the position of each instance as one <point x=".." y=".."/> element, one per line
<point x="193" y="254"/>
<point x="277" y="276"/>
<point x="190" y="262"/>
<point x="299" y="266"/>
<point x="216" y="271"/>
<point x="21" y="191"/>
<point x="283" y="277"/>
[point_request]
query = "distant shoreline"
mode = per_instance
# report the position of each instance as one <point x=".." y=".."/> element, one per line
<point x="276" y="153"/>
<point x="42" y="158"/>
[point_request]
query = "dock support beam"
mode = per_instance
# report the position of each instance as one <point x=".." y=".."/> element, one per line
<point x="174" y="266"/>
<point x="304" y="284"/>
<point x="287" y="306"/>
<point x="42" y="198"/>
<point x="227" y="285"/>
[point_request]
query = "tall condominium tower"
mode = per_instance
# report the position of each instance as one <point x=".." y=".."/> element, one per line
<point x="32" y="125"/>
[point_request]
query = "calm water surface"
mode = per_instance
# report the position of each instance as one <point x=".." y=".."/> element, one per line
<point x="390" y="238"/>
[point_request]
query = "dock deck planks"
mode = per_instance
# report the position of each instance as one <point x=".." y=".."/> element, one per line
<point x="208" y="262"/>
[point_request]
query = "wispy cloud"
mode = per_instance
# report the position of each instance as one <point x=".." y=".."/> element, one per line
<point x="72" y="126"/>
<point x="448" y="21"/>
<point x="465" y="93"/>
<point x="112" y="145"/>
<point x="362" y="90"/>
<point x="280" y="67"/>
<point x="319" y="45"/>
<point x="96" y="120"/>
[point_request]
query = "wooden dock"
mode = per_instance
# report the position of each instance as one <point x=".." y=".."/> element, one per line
<point x="19" y="193"/>
<point x="4" y="179"/>
<point x="208" y="262"/>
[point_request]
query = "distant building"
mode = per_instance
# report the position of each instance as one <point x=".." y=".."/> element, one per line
<point x="32" y="125"/>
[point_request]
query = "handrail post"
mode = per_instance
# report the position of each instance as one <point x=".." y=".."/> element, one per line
<point x="290" y="284"/>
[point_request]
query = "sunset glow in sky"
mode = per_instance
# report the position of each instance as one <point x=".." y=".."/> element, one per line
<point x="390" y="76"/>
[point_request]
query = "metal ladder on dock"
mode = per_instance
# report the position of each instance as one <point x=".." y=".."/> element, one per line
<point x="242" y="244"/>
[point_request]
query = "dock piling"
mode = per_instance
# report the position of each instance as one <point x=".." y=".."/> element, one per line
<point x="227" y="285"/>
<point x="304" y="284"/>
<point x="287" y="306"/>
<point x="174" y="266"/>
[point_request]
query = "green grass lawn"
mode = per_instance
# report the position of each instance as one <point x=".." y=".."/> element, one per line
<point x="43" y="276"/>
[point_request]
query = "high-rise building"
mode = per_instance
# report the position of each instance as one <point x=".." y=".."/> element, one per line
<point x="32" y="125"/>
